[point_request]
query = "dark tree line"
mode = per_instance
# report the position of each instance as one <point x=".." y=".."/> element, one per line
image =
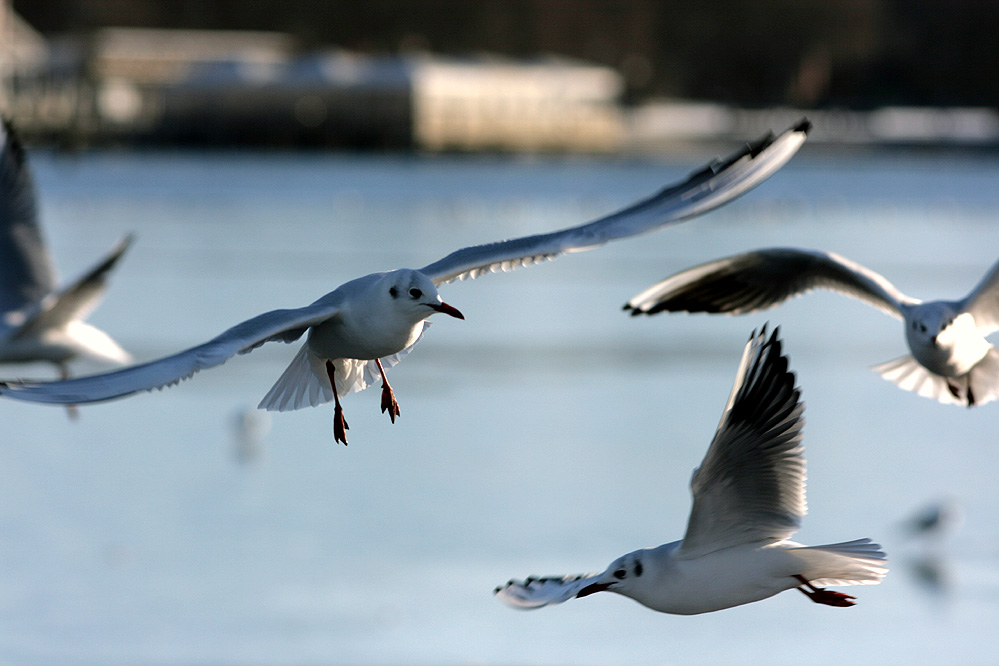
<point x="851" y="53"/>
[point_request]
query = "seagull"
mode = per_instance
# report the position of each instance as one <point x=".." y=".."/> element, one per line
<point x="950" y="359"/>
<point x="749" y="497"/>
<point x="37" y="321"/>
<point x="935" y="520"/>
<point x="370" y="323"/>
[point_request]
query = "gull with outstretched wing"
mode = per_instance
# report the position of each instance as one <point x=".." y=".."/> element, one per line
<point x="370" y="323"/>
<point x="38" y="321"/>
<point x="749" y="498"/>
<point x="950" y="360"/>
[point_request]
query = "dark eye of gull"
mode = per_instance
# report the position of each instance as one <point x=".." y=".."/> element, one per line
<point x="393" y="292"/>
<point x="620" y="574"/>
<point x="415" y="293"/>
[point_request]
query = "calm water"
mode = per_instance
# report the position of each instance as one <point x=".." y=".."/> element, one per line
<point x="548" y="433"/>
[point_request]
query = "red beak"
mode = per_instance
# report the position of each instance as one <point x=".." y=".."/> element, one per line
<point x="447" y="309"/>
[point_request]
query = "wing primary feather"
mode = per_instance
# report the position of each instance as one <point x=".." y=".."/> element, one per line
<point x="751" y="483"/>
<point x="534" y="592"/>
<point x="761" y="279"/>
<point x="27" y="273"/>
<point x="703" y="190"/>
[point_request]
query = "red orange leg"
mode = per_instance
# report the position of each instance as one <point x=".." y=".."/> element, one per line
<point x="820" y="595"/>
<point x="339" y="423"/>
<point x="389" y="403"/>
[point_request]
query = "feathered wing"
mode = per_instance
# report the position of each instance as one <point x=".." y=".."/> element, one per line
<point x="984" y="378"/>
<point x="532" y="592"/>
<point x="714" y="185"/>
<point x="277" y="325"/>
<point x="983" y="302"/>
<point x="26" y="271"/>
<point x="78" y="299"/>
<point x="761" y="279"/>
<point x="751" y="484"/>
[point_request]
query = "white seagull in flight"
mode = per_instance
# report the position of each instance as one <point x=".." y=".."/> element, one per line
<point x="370" y="323"/>
<point x="950" y="360"/>
<point x="37" y="321"/>
<point x="749" y="498"/>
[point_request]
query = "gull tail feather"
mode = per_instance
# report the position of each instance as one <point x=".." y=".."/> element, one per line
<point x="303" y="384"/>
<point x="907" y="373"/>
<point x="858" y="562"/>
<point x="540" y="592"/>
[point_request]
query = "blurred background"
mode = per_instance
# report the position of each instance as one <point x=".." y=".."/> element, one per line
<point x="265" y="152"/>
<point x="505" y="75"/>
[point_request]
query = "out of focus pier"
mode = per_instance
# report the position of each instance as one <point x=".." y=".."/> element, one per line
<point x="226" y="88"/>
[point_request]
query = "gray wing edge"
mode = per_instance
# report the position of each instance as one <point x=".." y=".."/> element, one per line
<point x="707" y="188"/>
<point x="78" y="299"/>
<point x="26" y="270"/>
<point x="277" y="325"/>
<point x="983" y="301"/>
<point x="761" y="279"/>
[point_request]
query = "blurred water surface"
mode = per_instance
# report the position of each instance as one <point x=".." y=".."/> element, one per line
<point x="547" y="433"/>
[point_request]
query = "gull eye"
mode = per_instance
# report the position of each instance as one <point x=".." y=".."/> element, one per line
<point x="620" y="574"/>
<point x="393" y="292"/>
<point x="415" y="293"/>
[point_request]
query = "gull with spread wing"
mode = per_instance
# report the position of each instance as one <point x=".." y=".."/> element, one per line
<point x="370" y="323"/>
<point x="39" y="322"/>
<point x="950" y="360"/>
<point x="749" y="498"/>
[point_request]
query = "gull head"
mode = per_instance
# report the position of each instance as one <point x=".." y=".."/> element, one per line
<point x="619" y="577"/>
<point x="926" y="322"/>
<point x="415" y="294"/>
<point x="945" y="340"/>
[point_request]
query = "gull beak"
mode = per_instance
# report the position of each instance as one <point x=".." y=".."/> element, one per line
<point x="593" y="588"/>
<point x="447" y="309"/>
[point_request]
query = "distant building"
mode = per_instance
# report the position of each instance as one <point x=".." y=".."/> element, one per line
<point x="422" y="102"/>
<point x="134" y="68"/>
<point x="512" y="105"/>
<point x="236" y="87"/>
<point x="22" y="49"/>
<point x="323" y="99"/>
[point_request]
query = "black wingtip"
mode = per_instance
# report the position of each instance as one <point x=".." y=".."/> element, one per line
<point x="13" y="142"/>
<point x="774" y="338"/>
<point x="754" y="148"/>
<point x="126" y="240"/>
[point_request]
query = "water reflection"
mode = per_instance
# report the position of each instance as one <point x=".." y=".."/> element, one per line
<point x="525" y="430"/>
